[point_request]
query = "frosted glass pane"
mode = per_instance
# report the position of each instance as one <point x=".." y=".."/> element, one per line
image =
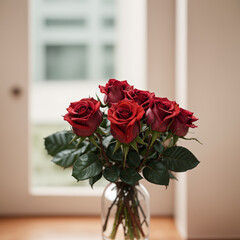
<point x="64" y="22"/>
<point x="66" y="62"/>
<point x="72" y="51"/>
<point x="108" y="56"/>
<point x="108" y="22"/>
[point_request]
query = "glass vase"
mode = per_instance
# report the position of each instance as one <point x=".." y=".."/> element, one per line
<point x="125" y="212"/>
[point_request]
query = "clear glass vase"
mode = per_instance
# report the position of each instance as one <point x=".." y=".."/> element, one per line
<point x="125" y="212"/>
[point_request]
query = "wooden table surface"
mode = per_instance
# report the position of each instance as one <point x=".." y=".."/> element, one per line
<point x="73" y="228"/>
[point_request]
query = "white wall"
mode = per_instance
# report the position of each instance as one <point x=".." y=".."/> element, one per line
<point x="181" y="87"/>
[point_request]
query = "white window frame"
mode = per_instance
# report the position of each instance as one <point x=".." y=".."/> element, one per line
<point x="16" y="196"/>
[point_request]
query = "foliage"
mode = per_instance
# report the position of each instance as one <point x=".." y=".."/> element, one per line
<point x="136" y="139"/>
<point x="107" y="158"/>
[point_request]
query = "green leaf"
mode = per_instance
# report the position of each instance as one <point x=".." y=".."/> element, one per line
<point x="179" y="159"/>
<point x="143" y="152"/>
<point x="95" y="179"/>
<point x="153" y="156"/>
<point x="98" y="98"/>
<point x="102" y="105"/>
<point x="133" y="159"/>
<point x="155" y="136"/>
<point x="156" y="173"/>
<point x="117" y="156"/>
<point x="80" y="141"/>
<point x="125" y="150"/>
<point x="172" y="176"/>
<point x="74" y="139"/>
<point x="111" y="173"/>
<point x="134" y="145"/>
<point x="117" y="146"/>
<point x="86" y="166"/>
<point x="130" y="176"/>
<point x="67" y="157"/>
<point x="175" y="139"/>
<point x="125" y="153"/>
<point x="195" y="139"/>
<point x="90" y="147"/>
<point x="93" y="141"/>
<point x="158" y="146"/>
<point x="59" y="141"/>
<point x="99" y="130"/>
<point x="169" y="135"/>
<point x="139" y="140"/>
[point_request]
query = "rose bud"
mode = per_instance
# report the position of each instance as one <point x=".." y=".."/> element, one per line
<point x="114" y="91"/>
<point x="84" y="116"/>
<point x="160" y="113"/>
<point x="125" y="120"/>
<point x="182" y="122"/>
<point x="140" y="96"/>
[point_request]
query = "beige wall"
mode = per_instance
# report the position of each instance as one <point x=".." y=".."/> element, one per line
<point x="160" y="47"/>
<point x="160" y="77"/>
<point x="14" y="115"/>
<point x="211" y="206"/>
<point x="213" y="92"/>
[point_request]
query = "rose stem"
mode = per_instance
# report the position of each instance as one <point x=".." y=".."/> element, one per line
<point x="129" y="229"/>
<point x="143" y="214"/>
<point x="134" y="199"/>
<point x="108" y="213"/>
<point x="102" y="150"/>
<point x="120" y="217"/>
<point x="139" y="204"/>
<point x="124" y="223"/>
<point x="133" y="220"/>
<point x="116" y="220"/>
<point x="146" y="155"/>
<point x="135" y="212"/>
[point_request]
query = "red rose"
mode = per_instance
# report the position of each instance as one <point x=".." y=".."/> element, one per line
<point x="182" y="122"/>
<point x="84" y="116"/>
<point x="114" y="91"/>
<point x="140" y="96"/>
<point x="160" y="113"/>
<point x="125" y="120"/>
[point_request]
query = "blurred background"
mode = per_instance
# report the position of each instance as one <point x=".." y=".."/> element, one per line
<point x="72" y="45"/>
<point x="54" y="52"/>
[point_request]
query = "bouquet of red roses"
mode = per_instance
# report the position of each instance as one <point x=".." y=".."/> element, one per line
<point x="134" y="136"/>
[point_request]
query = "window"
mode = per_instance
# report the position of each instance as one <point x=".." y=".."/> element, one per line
<point x="40" y="108"/>
<point x="65" y="22"/>
<point x="108" y="22"/>
<point x="69" y="51"/>
<point x="67" y="38"/>
<point x="108" y="56"/>
<point x="66" y="62"/>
